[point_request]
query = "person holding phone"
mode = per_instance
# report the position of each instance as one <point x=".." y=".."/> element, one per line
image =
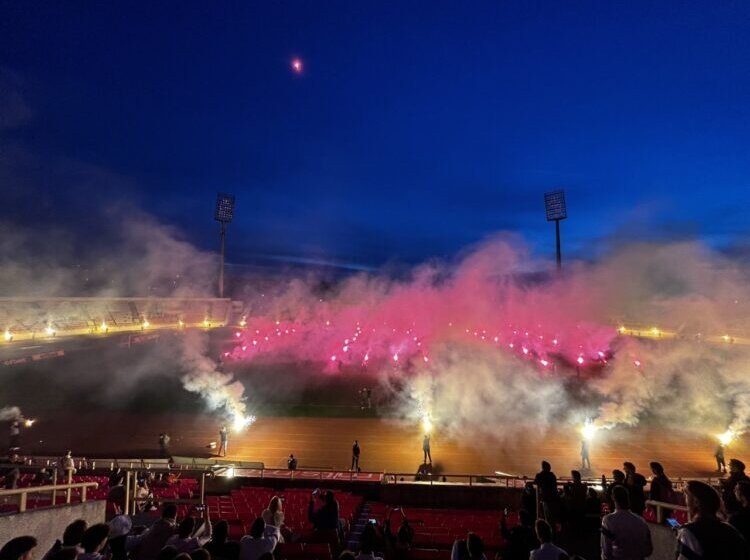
<point x="625" y="534"/>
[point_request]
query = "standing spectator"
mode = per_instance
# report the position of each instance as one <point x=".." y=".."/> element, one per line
<point x="740" y="519"/>
<point x="635" y="482"/>
<point x="224" y="439"/>
<point x="585" y="459"/>
<point x="14" y="445"/>
<point x="327" y="517"/>
<point x="575" y="501"/>
<point x="220" y="547"/>
<point x="189" y="537"/>
<point x="547" y="550"/>
<point x="706" y="536"/>
<point x="661" y="488"/>
<point x="158" y="534"/>
<point x="593" y="509"/>
<point x="164" y="440"/>
<point x="618" y="479"/>
<point x="261" y="540"/>
<point x="546" y="483"/>
<point x="291" y="463"/>
<point x="521" y="539"/>
<point x="93" y="542"/>
<point x="20" y="548"/>
<point x="67" y="464"/>
<point x="120" y="542"/>
<point x="736" y="474"/>
<point x="355" y="456"/>
<point x="528" y="499"/>
<point x="721" y="466"/>
<point x="426" y="448"/>
<point x="625" y="535"/>
<point x="470" y="549"/>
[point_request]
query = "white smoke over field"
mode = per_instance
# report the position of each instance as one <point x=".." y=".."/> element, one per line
<point x="10" y="413"/>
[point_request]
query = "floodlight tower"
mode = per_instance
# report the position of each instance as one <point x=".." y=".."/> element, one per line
<point x="554" y="204"/>
<point x="223" y="214"/>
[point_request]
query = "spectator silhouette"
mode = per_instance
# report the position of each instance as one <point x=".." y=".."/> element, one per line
<point x="220" y="547"/>
<point x="20" y="548"/>
<point x="635" y="482"/>
<point x="736" y="474"/>
<point x="156" y="537"/>
<point x="706" y="536"/>
<point x="327" y="516"/>
<point x="93" y="542"/>
<point x="261" y="540"/>
<point x="546" y="483"/>
<point x="521" y="539"/>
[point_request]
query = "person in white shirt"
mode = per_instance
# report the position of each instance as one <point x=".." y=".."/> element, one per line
<point x="625" y="535"/>
<point x="262" y="539"/>
<point x="547" y="551"/>
<point x="273" y="515"/>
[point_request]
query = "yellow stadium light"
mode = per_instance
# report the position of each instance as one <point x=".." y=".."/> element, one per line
<point x="103" y="327"/>
<point x="726" y="338"/>
<point x="8" y="335"/>
<point x="621" y="329"/>
<point x="206" y="323"/>
<point x="655" y="331"/>
<point x="49" y="330"/>
<point x="146" y="324"/>
<point x="181" y="323"/>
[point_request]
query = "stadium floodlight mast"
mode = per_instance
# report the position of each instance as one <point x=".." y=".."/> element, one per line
<point x="554" y="204"/>
<point x="223" y="214"/>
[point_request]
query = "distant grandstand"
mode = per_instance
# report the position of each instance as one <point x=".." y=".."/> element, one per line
<point x="35" y="318"/>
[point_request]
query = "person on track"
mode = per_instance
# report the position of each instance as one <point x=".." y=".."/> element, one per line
<point x="355" y="456"/>
<point x="15" y="437"/>
<point x="585" y="459"/>
<point x="224" y="439"/>
<point x="426" y="448"/>
<point x="721" y="466"/>
<point x="291" y="463"/>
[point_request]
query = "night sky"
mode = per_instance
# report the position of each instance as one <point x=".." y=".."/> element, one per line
<point x="414" y="130"/>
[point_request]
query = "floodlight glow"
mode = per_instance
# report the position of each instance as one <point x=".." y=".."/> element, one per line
<point x="146" y="324"/>
<point x="29" y="422"/>
<point x="8" y="335"/>
<point x="426" y="423"/>
<point x="580" y="360"/>
<point x="588" y="430"/>
<point x="241" y="422"/>
<point x="50" y="330"/>
<point x="103" y="327"/>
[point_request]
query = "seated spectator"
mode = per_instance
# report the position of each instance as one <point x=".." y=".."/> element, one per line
<point x="220" y="547"/>
<point x="547" y="550"/>
<point x="740" y="519"/>
<point x="262" y="539"/>
<point x="167" y="553"/>
<point x="71" y="538"/>
<point x="521" y="539"/>
<point x="706" y="536"/>
<point x="366" y="551"/>
<point x="42" y="477"/>
<point x="119" y="529"/>
<point x="20" y="548"/>
<point x="202" y="554"/>
<point x="470" y="549"/>
<point x="327" y="516"/>
<point x="93" y="542"/>
<point x="153" y="540"/>
<point x="191" y="535"/>
<point x="625" y="534"/>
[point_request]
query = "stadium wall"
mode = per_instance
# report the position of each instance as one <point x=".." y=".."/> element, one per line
<point x="48" y="524"/>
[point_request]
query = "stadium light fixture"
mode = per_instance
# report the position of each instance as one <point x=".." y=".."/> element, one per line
<point x="554" y="204"/>
<point x="223" y="214"/>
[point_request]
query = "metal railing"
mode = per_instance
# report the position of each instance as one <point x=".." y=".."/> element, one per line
<point x="67" y="487"/>
<point x="662" y="507"/>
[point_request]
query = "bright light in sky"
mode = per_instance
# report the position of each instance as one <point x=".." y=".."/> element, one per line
<point x="297" y="65"/>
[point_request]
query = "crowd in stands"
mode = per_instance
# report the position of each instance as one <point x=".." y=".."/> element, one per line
<point x="555" y="521"/>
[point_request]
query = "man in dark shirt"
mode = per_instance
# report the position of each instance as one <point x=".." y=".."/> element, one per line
<point x="546" y="483"/>
<point x="521" y="539"/>
<point x="635" y="483"/>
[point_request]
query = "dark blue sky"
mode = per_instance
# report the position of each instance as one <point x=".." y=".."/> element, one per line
<point x="416" y="129"/>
